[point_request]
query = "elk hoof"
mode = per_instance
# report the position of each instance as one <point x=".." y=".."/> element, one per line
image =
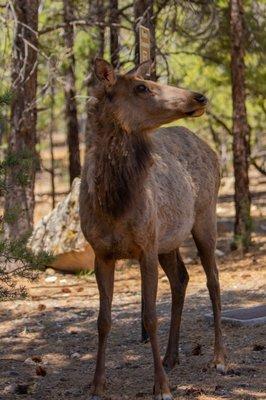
<point x="163" y="396"/>
<point x="169" y="363"/>
<point x="219" y="364"/>
<point x="220" y="367"/>
<point x="162" y="393"/>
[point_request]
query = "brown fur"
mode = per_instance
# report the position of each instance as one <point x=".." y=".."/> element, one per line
<point x="142" y="192"/>
<point x="121" y="162"/>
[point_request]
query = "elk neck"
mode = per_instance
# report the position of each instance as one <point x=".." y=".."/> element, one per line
<point x="122" y="160"/>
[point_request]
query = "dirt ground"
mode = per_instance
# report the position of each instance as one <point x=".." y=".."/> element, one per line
<point x="48" y="341"/>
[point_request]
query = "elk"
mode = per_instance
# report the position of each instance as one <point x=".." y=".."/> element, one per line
<point x="143" y="191"/>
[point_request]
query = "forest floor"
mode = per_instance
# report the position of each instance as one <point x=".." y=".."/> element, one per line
<point x="48" y="341"/>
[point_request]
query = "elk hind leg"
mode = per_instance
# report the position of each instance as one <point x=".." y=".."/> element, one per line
<point x="204" y="234"/>
<point x="149" y="278"/>
<point x="176" y="272"/>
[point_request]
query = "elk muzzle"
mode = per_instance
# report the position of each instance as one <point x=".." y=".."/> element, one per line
<point x="198" y="105"/>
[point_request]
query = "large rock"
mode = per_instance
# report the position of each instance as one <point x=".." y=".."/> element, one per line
<point x="59" y="233"/>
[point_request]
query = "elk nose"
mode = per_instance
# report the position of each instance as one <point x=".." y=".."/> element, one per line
<point x="200" y="98"/>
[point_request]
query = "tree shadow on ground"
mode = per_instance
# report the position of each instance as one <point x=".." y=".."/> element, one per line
<point x="68" y="326"/>
<point x="57" y="334"/>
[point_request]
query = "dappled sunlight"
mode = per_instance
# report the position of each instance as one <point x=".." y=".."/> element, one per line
<point x="62" y="330"/>
<point x="251" y="394"/>
<point x="85" y="167"/>
<point x="58" y="322"/>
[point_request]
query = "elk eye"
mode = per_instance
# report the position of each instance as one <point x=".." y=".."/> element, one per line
<point x="142" y="89"/>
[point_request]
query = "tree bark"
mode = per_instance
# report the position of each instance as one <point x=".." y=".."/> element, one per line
<point x="143" y="15"/>
<point x="100" y="12"/>
<point x="114" y="33"/>
<point x="70" y="93"/>
<point x="242" y="227"/>
<point x="51" y="141"/>
<point x="97" y="10"/>
<point x="21" y="156"/>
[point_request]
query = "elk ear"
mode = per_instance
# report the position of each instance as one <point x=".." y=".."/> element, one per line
<point x="144" y="69"/>
<point x="104" y="72"/>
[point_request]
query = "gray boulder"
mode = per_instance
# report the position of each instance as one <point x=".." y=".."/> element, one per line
<point x="59" y="233"/>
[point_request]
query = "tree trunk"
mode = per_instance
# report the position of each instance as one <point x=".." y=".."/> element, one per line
<point x="21" y="157"/>
<point x="70" y="93"/>
<point x="240" y="129"/>
<point x="51" y="141"/>
<point x="100" y="13"/>
<point x="143" y="15"/>
<point x="97" y="11"/>
<point x="114" y="33"/>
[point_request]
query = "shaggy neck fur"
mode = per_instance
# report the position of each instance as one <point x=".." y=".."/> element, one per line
<point x="122" y="160"/>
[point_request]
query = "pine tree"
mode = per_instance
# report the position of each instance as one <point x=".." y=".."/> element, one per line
<point x="240" y="128"/>
<point x="21" y="156"/>
<point x="70" y="93"/>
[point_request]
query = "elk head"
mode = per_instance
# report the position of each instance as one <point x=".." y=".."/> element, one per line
<point x="141" y="105"/>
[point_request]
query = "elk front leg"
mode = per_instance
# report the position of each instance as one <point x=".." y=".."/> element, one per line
<point x="149" y="278"/>
<point x="104" y="271"/>
<point x="144" y="334"/>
